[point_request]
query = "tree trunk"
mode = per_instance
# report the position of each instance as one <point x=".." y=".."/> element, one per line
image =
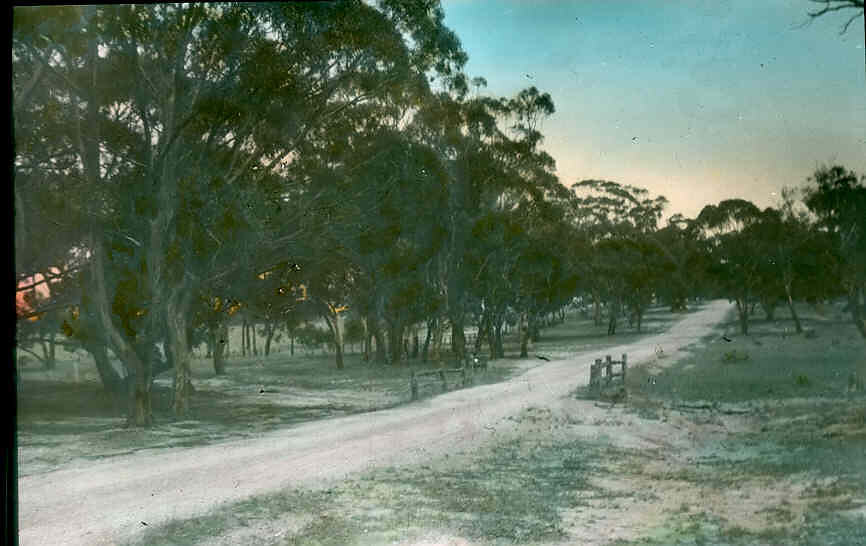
<point x="219" y="334"/>
<point x="425" y="352"/>
<point x="856" y="304"/>
<point x="500" y="350"/>
<point x="44" y="358"/>
<point x="140" y="411"/>
<point x="416" y="343"/>
<point x="49" y="352"/>
<point x="335" y="323"/>
<point x="534" y="328"/>
<point x="367" y="340"/>
<point x="395" y="342"/>
<point x="244" y="338"/>
<point x="254" y="336"/>
<point x="458" y="337"/>
<point x="270" y="330"/>
<point x="856" y="301"/>
<point x="140" y="401"/>
<point x="596" y="310"/>
<point x="436" y="342"/>
<point x="111" y="376"/>
<point x="484" y="331"/>
<point x="792" y="309"/>
<point x="524" y="336"/>
<point x="743" y="314"/>
<point x="494" y="336"/>
<point x="291" y="332"/>
<point x="210" y="341"/>
<point x="381" y="355"/>
<point x="177" y="345"/>
<point x="112" y="379"/>
<point x="491" y="342"/>
<point x="611" y="324"/>
<point x="338" y="351"/>
<point x="769" y="308"/>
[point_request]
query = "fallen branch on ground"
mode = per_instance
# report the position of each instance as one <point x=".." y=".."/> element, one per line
<point x="702" y="406"/>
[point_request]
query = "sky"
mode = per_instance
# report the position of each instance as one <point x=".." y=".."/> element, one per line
<point x="699" y="100"/>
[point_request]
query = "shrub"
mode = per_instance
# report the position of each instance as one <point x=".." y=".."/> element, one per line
<point x="311" y="336"/>
<point x="354" y="331"/>
<point x="735" y="356"/>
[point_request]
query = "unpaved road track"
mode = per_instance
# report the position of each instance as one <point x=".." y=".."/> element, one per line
<point x="107" y="501"/>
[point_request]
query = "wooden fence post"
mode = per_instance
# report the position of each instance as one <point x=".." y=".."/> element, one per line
<point x="608" y="364"/>
<point x="413" y="385"/>
<point x="594" y="370"/>
<point x="624" y="366"/>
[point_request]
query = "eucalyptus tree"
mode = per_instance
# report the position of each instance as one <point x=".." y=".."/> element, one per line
<point x="732" y="230"/>
<point x="55" y="203"/>
<point x="628" y="263"/>
<point x="47" y="200"/>
<point x="799" y="261"/>
<point x="544" y="278"/>
<point x="164" y="106"/>
<point x="490" y="148"/>
<point x="459" y="130"/>
<point x="837" y="196"/>
<point x="388" y="231"/>
<point x="329" y="285"/>
<point x="498" y="238"/>
<point x="684" y="279"/>
<point x="349" y="164"/>
<point x="211" y="312"/>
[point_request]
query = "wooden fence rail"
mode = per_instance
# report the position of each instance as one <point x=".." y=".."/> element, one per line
<point x="466" y="371"/>
<point x="602" y="374"/>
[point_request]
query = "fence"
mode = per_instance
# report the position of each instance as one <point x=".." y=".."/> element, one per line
<point x="602" y="374"/>
<point x="467" y="373"/>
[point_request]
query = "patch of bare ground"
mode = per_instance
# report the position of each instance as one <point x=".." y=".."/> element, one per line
<point x="571" y="471"/>
<point x="689" y="466"/>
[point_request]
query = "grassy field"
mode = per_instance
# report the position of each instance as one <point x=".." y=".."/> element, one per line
<point x="64" y="416"/>
<point x="806" y="426"/>
<point x="719" y="449"/>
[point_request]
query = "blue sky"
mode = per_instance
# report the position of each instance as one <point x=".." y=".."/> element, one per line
<point x="698" y="101"/>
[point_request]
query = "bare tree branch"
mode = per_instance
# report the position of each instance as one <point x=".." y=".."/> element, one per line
<point x="47" y="308"/>
<point x="46" y="278"/>
<point x="830" y="6"/>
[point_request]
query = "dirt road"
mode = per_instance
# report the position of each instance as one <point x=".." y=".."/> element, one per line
<point x="106" y="502"/>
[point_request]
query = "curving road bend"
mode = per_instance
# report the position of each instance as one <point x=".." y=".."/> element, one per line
<point x="105" y="502"/>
